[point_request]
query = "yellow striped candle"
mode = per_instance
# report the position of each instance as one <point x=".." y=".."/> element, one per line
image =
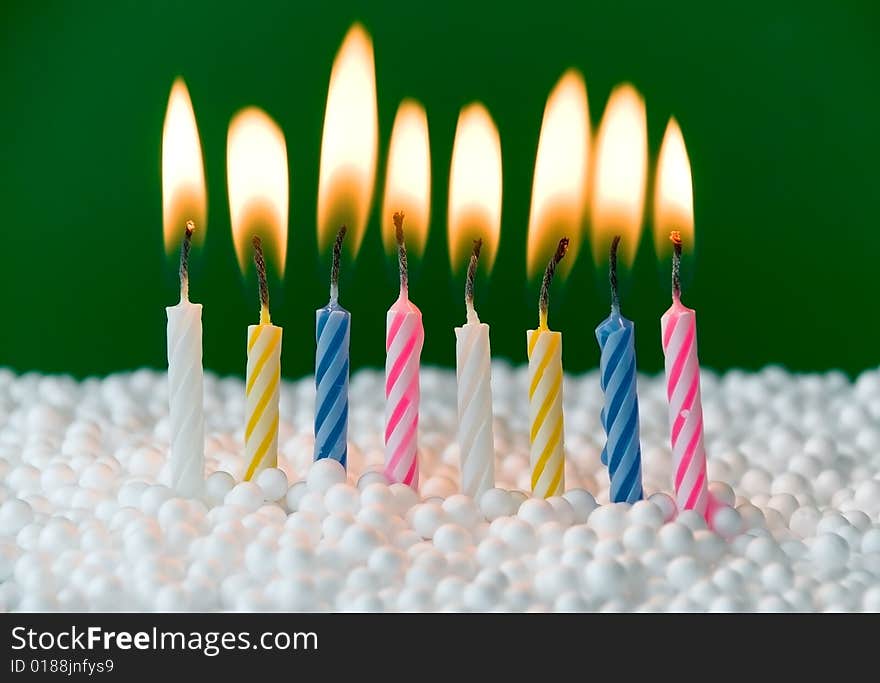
<point x="262" y="382"/>
<point x="547" y="452"/>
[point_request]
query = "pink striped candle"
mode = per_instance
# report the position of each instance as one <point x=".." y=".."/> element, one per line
<point x="679" y="329"/>
<point x="403" y="345"/>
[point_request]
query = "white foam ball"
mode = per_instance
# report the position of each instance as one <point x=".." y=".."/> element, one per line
<point x="726" y="522"/>
<point x="722" y="493"/>
<point x="387" y="562"/>
<point x="666" y="504"/>
<point x="496" y="503"/>
<point x="565" y="512"/>
<point x="752" y="516"/>
<point x="536" y="511"/>
<point x="245" y="494"/>
<point x="609" y="521"/>
<point x="582" y="502"/>
<point x="462" y="510"/>
<point x="323" y="474"/>
<point x="777" y="577"/>
<point x="371" y="477"/>
<point x="553" y="580"/>
<point x="675" y="539"/>
<point x="405" y="498"/>
<point x="638" y="538"/>
<point x="295" y="494"/>
<point x="359" y="541"/>
<point x="605" y="577"/>
<point x="15" y="514"/>
<point x="304" y="523"/>
<point x="452" y="538"/>
<point x="342" y="499"/>
<point x="426" y="518"/>
<point x="377" y="494"/>
<point x="683" y="572"/>
<point x="492" y="552"/>
<point x="692" y="519"/>
<point x="579" y="536"/>
<point x="56" y="476"/>
<point x="273" y="482"/>
<point x="97" y="476"/>
<point x="829" y="551"/>
<point x="153" y="497"/>
<point x="647" y="513"/>
<point x="871" y="541"/>
<point x="520" y="535"/>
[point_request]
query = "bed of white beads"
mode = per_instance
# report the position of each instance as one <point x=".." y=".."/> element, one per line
<point x="86" y="523"/>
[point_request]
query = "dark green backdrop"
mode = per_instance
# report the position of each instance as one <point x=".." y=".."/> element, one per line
<point x="779" y="105"/>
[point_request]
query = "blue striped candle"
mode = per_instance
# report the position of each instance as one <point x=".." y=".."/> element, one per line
<point x="620" y="416"/>
<point x="332" y="329"/>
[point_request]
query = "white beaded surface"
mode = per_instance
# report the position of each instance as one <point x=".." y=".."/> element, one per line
<point x="87" y="521"/>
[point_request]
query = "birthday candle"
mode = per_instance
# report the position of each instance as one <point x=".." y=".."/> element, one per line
<point x="403" y="344"/>
<point x="262" y="381"/>
<point x="473" y="373"/>
<point x="620" y="416"/>
<point x="679" y="331"/>
<point x="332" y="325"/>
<point x="547" y="454"/>
<point x="185" y="396"/>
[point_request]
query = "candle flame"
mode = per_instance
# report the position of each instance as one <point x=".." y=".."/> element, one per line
<point x="349" y="143"/>
<point x="256" y="167"/>
<point x="673" y="193"/>
<point x="183" y="173"/>
<point x="559" y="188"/>
<point x="474" y="188"/>
<point x="408" y="179"/>
<point x="620" y="174"/>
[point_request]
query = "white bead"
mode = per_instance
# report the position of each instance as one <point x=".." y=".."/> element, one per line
<point x="273" y="483"/>
<point x="323" y="474"/>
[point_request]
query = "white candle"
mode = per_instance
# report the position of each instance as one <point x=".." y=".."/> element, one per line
<point x="185" y="396"/>
<point x="476" y="442"/>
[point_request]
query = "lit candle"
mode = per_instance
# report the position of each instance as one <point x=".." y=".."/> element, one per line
<point x="332" y="329"/>
<point x="673" y="217"/>
<point x="403" y="344"/>
<point x="262" y="381"/>
<point x="473" y="374"/>
<point x="185" y="394"/>
<point x="620" y="416"/>
<point x="256" y="168"/>
<point x="547" y="454"/>
<point x="618" y="207"/>
<point x="679" y="330"/>
<point x="184" y="203"/>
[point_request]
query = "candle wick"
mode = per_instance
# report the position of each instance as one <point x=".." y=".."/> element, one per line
<point x="612" y="274"/>
<point x="334" y="268"/>
<point x="260" y="263"/>
<point x="675" y="236"/>
<point x="544" y="299"/>
<point x="469" y="282"/>
<point x="401" y="250"/>
<point x="184" y="261"/>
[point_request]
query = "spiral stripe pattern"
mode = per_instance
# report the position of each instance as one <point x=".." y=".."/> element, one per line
<point x="185" y="398"/>
<point x="403" y="343"/>
<point x="679" y="330"/>
<point x="475" y="438"/>
<point x="331" y="383"/>
<point x="620" y="416"/>
<point x="261" y="398"/>
<point x="547" y="457"/>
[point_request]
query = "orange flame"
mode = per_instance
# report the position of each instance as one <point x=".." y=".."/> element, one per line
<point x="183" y="173"/>
<point x="559" y="188"/>
<point x="673" y="192"/>
<point x="349" y="143"/>
<point x="256" y="168"/>
<point x="474" y="187"/>
<point x="620" y="174"/>
<point x="408" y="180"/>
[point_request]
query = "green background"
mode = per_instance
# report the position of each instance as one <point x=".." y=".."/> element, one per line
<point x="779" y="104"/>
